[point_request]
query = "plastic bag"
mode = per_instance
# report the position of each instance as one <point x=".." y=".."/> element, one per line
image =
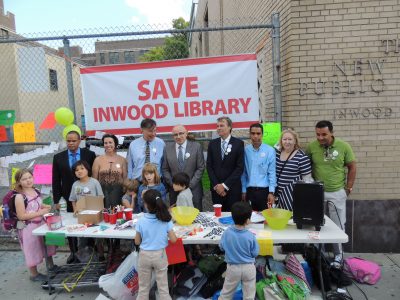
<point x="124" y="283"/>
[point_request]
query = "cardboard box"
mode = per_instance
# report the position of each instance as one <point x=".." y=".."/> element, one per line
<point x="90" y="209"/>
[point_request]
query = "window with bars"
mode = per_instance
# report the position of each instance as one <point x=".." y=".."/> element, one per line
<point x="114" y="57"/>
<point x="53" y="80"/>
<point x="129" y="57"/>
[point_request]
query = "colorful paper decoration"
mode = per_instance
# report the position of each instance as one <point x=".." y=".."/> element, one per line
<point x="13" y="171"/>
<point x="272" y="133"/>
<point x="7" y="117"/>
<point x="42" y="174"/>
<point x="49" y="122"/>
<point x="3" y="134"/>
<point x="24" y="132"/>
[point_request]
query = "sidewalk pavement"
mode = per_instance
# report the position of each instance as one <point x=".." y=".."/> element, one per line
<point x="15" y="283"/>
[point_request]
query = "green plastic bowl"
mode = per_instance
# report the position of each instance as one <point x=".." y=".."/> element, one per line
<point x="184" y="215"/>
<point x="277" y="218"/>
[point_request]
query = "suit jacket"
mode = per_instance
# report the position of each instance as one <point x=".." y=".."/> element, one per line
<point x="63" y="177"/>
<point x="227" y="170"/>
<point x="193" y="166"/>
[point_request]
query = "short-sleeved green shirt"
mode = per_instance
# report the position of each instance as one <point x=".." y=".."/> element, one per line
<point x="329" y="164"/>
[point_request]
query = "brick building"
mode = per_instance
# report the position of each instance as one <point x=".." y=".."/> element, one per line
<point x="339" y="61"/>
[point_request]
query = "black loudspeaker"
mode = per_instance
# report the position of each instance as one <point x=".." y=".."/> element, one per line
<point x="308" y="204"/>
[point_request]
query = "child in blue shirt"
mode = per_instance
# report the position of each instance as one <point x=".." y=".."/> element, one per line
<point x="241" y="248"/>
<point x="151" y="181"/>
<point x="152" y="233"/>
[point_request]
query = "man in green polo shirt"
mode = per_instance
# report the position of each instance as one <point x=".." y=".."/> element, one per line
<point x="330" y="158"/>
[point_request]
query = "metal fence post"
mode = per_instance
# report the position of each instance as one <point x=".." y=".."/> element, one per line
<point x="276" y="67"/>
<point x="70" y="84"/>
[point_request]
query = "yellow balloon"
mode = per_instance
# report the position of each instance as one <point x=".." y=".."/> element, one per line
<point x="69" y="128"/>
<point x="64" y="116"/>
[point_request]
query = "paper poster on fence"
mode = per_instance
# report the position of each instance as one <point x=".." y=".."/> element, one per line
<point x="42" y="174"/>
<point x="192" y="92"/>
<point x="24" y="132"/>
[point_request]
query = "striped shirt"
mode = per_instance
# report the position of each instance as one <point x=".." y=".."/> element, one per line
<point x="295" y="168"/>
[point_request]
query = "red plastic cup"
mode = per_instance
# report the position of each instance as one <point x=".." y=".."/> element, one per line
<point x="113" y="218"/>
<point x="217" y="210"/>
<point x="120" y="214"/>
<point x="106" y="217"/>
<point x="128" y="213"/>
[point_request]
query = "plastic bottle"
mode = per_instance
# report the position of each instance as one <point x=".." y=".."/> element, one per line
<point x="63" y="209"/>
<point x="6" y="212"/>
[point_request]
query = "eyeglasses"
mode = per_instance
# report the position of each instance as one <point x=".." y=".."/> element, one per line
<point x="178" y="134"/>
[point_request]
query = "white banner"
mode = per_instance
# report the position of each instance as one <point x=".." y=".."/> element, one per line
<point x="192" y="92"/>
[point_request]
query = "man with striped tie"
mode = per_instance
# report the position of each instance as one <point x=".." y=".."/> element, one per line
<point x="184" y="156"/>
<point x="225" y="161"/>
<point x="146" y="149"/>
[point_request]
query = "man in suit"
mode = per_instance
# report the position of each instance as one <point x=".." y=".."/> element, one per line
<point x="225" y="163"/>
<point x="184" y="156"/>
<point x="63" y="177"/>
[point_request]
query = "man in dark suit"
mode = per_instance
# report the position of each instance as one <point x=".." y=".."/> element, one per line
<point x="63" y="177"/>
<point x="225" y="162"/>
<point x="184" y="156"/>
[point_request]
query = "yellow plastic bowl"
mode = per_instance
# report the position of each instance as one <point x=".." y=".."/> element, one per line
<point x="277" y="218"/>
<point x="184" y="215"/>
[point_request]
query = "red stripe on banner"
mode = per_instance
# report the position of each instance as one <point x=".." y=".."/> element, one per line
<point x="168" y="129"/>
<point x="169" y="63"/>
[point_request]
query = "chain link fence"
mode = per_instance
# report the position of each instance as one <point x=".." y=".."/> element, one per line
<point x="40" y="72"/>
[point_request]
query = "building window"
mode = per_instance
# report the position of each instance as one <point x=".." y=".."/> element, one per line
<point x="114" y="57"/>
<point x="129" y="57"/>
<point x="143" y="51"/>
<point x="53" y="80"/>
<point x="102" y="58"/>
<point x="3" y="33"/>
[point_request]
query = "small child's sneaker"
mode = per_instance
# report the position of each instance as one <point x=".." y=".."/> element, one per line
<point x="337" y="262"/>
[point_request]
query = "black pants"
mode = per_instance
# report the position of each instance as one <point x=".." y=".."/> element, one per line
<point x="258" y="197"/>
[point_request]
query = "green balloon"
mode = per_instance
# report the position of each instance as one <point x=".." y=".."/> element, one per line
<point x="69" y="128"/>
<point x="64" y="116"/>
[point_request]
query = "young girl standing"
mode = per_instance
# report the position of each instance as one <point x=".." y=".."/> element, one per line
<point x="151" y="181"/>
<point x="152" y="233"/>
<point x="30" y="218"/>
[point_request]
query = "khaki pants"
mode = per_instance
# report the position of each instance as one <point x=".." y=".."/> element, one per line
<point x="245" y="273"/>
<point x="339" y="199"/>
<point x="149" y="261"/>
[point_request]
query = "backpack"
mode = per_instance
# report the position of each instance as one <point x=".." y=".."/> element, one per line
<point x="362" y="270"/>
<point x="10" y="223"/>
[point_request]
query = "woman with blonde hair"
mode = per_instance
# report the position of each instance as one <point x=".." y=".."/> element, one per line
<point x="292" y="165"/>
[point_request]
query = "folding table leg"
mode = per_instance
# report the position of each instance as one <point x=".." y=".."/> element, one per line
<point x="321" y="279"/>
<point x="46" y="256"/>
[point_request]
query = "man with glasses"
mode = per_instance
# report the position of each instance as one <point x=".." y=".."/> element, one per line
<point x="63" y="177"/>
<point x="330" y="158"/>
<point x="184" y="156"/>
<point x="146" y="149"/>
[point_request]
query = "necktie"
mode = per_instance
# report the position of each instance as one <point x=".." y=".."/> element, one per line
<point x="223" y="148"/>
<point x="73" y="155"/>
<point x="147" y="152"/>
<point x="180" y="158"/>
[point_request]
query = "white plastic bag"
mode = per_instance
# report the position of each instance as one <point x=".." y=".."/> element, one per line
<point x="124" y="283"/>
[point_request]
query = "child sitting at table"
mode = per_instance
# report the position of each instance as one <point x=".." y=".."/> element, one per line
<point x="151" y="181"/>
<point x="152" y="233"/>
<point x="180" y="184"/>
<point x="241" y="248"/>
<point x="29" y="210"/>
<point x="129" y="199"/>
